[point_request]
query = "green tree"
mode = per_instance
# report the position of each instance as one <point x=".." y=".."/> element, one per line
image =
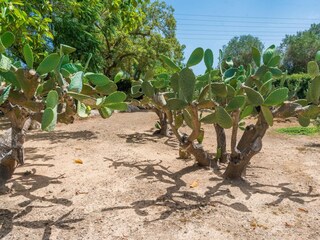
<point x="127" y="35"/>
<point x="300" y="48"/>
<point x="29" y="22"/>
<point x="240" y="49"/>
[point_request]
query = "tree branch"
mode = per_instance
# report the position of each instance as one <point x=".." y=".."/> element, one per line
<point x="234" y="150"/>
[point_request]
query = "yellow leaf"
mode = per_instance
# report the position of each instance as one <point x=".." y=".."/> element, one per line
<point x="78" y="161"/>
<point x="194" y="184"/>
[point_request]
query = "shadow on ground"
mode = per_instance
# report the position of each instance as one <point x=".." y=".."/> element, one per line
<point x="25" y="186"/>
<point x="148" y="136"/>
<point x="62" y="136"/>
<point x="178" y="198"/>
<point x="9" y="219"/>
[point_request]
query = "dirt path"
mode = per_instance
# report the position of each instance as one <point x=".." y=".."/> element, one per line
<point x="132" y="186"/>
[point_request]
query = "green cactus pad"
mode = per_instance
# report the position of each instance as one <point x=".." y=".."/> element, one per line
<point x="254" y="97"/>
<point x="208" y="58"/>
<point x="267" y="115"/>
<point x="28" y="56"/>
<point x="256" y="55"/>
<point x="76" y="82"/>
<point x="276" y="97"/>
<point x="52" y="99"/>
<point x="195" y="57"/>
<point x="48" y="64"/>
<point x="236" y="103"/>
<point x="49" y="119"/>
<point x="176" y="104"/>
<point x="313" y="69"/>
<point x="147" y="88"/>
<point x="169" y="63"/>
<point x="315" y="90"/>
<point x="187" y="82"/>
<point x="97" y="79"/>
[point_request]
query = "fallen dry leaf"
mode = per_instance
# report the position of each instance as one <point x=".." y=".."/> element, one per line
<point x="78" y="161"/>
<point x="194" y="184"/>
<point x="303" y="210"/>
<point x="288" y="225"/>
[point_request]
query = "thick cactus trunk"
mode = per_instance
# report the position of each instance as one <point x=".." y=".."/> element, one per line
<point x="7" y="166"/>
<point x="221" y="143"/>
<point x="17" y="142"/>
<point x="163" y="121"/>
<point x="249" y="145"/>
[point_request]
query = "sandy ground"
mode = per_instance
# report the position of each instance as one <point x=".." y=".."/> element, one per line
<point x="132" y="186"/>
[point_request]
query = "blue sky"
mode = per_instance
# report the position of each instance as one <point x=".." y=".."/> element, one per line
<point x="212" y="23"/>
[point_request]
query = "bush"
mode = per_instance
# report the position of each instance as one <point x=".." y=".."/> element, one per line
<point x="296" y="83"/>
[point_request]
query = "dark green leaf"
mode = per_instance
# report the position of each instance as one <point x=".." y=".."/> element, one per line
<point x="315" y="90"/>
<point x="256" y="56"/>
<point x="187" y="82"/>
<point x="169" y="63"/>
<point x="7" y="39"/>
<point x="28" y="55"/>
<point x="267" y="115"/>
<point x="65" y="49"/>
<point x="254" y="97"/>
<point x="107" y="89"/>
<point x="52" y="99"/>
<point x="105" y="112"/>
<point x="209" y="119"/>
<point x="229" y="74"/>
<point x="223" y="118"/>
<point x="236" y="103"/>
<point x="208" y="58"/>
<point x="274" y="61"/>
<point x="246" y="112"/>
<point x="121" y="106"/>
<point x="276" y="97"/>
<point x="147" y="89"/>
<point x="49" y="119"/>
<point x="313" y="69"/>
<point x="195" y="57"/>
<point x="268" y="54"/>
<point x="118" y="76"/>
<point x="48" y="64"/>
<point x="219" y="89"/>
<point x="176" y="104"/>
<point x="116" y="97"/>
<point x="97" y="79"/>
<point x="303" y="121"/>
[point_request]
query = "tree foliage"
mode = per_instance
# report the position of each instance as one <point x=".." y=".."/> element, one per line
<point x="240" y="48"/>
<point x="127" y="35"/>
<point x="29" y="22"/>
<point x="300" y="48"/>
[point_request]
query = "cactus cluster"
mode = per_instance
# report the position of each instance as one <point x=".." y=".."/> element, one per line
<point x="54" y="91"/>
<point x="224" y="98"/>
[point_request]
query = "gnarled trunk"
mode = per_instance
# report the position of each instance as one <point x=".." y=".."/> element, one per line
<point x="18" y="139"/>
<point x="249" y="145"/>
<point x="163" y="122"/>
<point x="221" y="143"/>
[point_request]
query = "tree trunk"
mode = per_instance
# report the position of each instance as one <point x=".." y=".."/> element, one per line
<point x="249" y="145"/>
<point x="18" y="138"/>
<point x="221" y="143"/>
<point x="200" y="155"/>
<point x="7" y="166"/>
<point x="163" y="122"/>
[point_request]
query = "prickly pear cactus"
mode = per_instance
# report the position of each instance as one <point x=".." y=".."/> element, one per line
<point x="55" y="90"/>
<point x="224" y="98"/>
